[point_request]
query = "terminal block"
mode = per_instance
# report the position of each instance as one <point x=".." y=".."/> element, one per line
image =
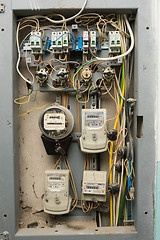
<point x="94" y="186"/>
<point x="114" y="42"/>
<point x="36" y="43"/>
<point x="56" y="198"/>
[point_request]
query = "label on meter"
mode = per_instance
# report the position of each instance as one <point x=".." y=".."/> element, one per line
<point x="56" y="182"/>
<point x="54" y="121"/>
<point x="94" y="119"/>
<point x="94" y="188"/>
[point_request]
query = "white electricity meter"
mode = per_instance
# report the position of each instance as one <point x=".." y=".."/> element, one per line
<point x="94" y="137"/>
<point x="56" y="122"/>
<point x="94" y="186"/>
<point x="56" y="198"/>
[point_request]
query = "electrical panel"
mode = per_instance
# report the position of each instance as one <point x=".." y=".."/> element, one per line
<point x="94" y="186"/>
<point x="76" y="81"/>
<point x="56" y="198"/>
<point x="94" y="137"/>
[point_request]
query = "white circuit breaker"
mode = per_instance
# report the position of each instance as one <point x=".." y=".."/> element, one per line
<point x="36" y="43"/>
<point x="56" y="42"/>
<point x="65" y="41"/>
<point x="114" y="42"/>
<point x="59" y="44"/>
<point x="56" y="198"/>
<point x="94" y="137"/>
<point x="85" y="42"/>
<point x="94" y="186"/>
<point x="93" y="41"/>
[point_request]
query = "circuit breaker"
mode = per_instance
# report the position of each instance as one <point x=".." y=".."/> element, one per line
<point x="36" y="42"/>
<point x="56" y="198"/>
<point x="114" y="42"/>
<point x="94" y="186"/>
<point x="93" y="41"/>
<point x="93" y="138"/>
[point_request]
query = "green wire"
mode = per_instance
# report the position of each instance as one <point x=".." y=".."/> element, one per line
<point x="87" y="97"/>
<point x="123" y="195"/>
<point x="122" y="75"/>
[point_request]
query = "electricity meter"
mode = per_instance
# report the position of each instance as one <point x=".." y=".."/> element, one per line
<point x="94" y="186"/>
<point x="56" y="198"/>
<point x="94" y="137"/>
<point x="56" y="124"/>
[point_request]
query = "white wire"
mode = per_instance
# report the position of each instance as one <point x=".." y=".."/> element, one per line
<point x="19" y="57"/>
<point x="100" y="221"/>
<point x="57" y="60"/>
<point x="64" y="20"/>
<point x="28" y="67"/>
<point x="119" y="194"/>
<point x="122" y="173"/>
<point x="129" y="50"/>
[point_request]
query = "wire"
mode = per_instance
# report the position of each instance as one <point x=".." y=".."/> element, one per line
<point x="19" y="57"/>
<point x="23" y="97"/>
<point x="87" y="100"/>
<point x="37" y="108"/>
<point x="64" y="20"/>
<point x="58" y="89"/>
<point x="124" y="188"/>
<point x="130" y="48"/>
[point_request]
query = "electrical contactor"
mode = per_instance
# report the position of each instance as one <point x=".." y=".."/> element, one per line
<point x="94" y="186"/>
<point x="93" y="138"/>
<point x="56" y="198"/>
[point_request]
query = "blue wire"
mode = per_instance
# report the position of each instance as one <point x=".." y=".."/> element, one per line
<point x="79" y="68"/>
<point x="44" y="39"/>
<point x="31" y="90"/>
<point x="25" y="95"/>
<point x="46" y="50"/>
<point x="131" y="210"/>
<point x="129" y="185"/>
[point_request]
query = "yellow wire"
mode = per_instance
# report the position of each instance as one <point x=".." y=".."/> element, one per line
<point x="111" y="150"/>
<point x="125" y="211"/>
<point x="21" y="103"/>
<point x="33" y="109"/>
